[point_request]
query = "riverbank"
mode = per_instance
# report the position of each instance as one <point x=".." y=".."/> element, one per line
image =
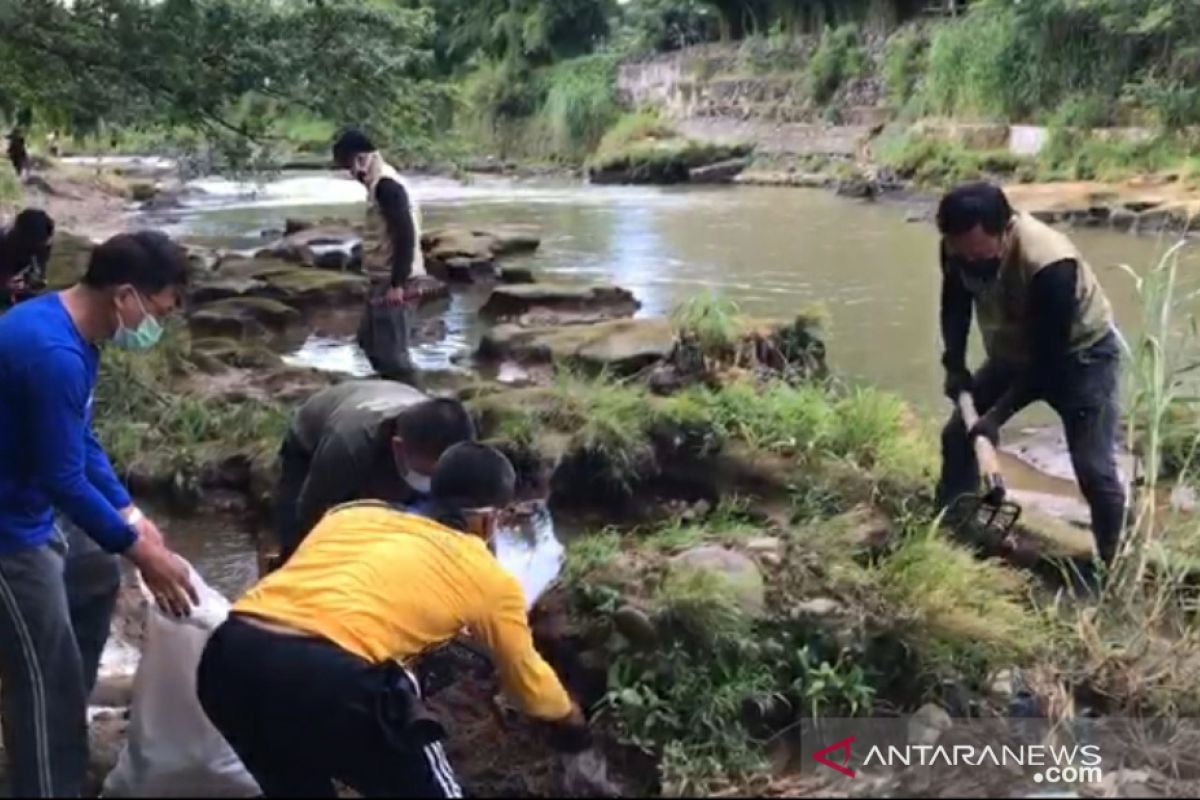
<point x="657" y="437"/>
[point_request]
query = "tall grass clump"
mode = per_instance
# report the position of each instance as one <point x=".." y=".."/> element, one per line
<point x="581" y="103"/>
<point x="904" y="61"/>
<point x="961" y="614"/>
<point x="633" y="129"/>
<point x="1156" y="392"/>
<point x="838" y="58"/>
<point x="710" y="320"/>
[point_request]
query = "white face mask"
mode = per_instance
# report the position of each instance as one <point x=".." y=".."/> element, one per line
<point x="418" y="482"/>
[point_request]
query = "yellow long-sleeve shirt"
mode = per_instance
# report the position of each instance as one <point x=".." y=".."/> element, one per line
<point x="388" y="585"/>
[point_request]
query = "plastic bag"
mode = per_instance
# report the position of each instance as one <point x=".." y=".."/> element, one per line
<point x="172" y="749"/>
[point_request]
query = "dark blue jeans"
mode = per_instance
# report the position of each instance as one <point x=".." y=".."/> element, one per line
<point x="1084" y="393"/>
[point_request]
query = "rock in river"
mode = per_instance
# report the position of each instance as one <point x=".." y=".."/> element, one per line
<point x="622" y="346"/>
<point x="242" y="316"/>
<point x="610" y="302"/>
<point x="465" y="255"/>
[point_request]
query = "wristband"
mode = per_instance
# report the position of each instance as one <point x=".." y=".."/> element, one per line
<point x="135" y="517"/>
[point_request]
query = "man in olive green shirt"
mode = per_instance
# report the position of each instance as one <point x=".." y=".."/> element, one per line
<point x="362" y="439"/>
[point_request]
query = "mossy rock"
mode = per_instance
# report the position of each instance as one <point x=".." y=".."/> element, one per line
<point x="142" y="191"/>
<point x="210" y="291"/>
<point x="68" y="260"/>
<point x="242" y="316"/>
<point x="223" y="351"/>
<point x="241" y="267"/>
<point x="507" y="302"/>
<point x="621" y="346"/>
<point x="310" y="288"/>
<point x="661" y="162"/>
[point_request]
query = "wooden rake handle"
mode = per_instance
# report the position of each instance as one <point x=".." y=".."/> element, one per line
<point x="985" y="452"/>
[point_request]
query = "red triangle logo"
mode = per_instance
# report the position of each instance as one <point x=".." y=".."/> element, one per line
<point x="842" y="746"/>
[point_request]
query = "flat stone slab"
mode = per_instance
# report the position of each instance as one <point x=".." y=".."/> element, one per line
<point x="516" y="300"/>
<point x="624" y="346"/>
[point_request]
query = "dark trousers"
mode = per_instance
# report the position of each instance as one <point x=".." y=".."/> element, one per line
<point x="1084" y="393"/>
<point x="302" y="713"/>
<point x="383" y="335"/>
<point x="56" y="607"/>
<point x="295" y="462"/>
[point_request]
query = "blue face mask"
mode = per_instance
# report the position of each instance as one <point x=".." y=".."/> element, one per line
<point x="143" y="337"/>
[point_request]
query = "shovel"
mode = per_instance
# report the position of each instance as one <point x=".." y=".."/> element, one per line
<point x="990" y="515"/>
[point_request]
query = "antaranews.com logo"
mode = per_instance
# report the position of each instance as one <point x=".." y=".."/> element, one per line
<point x="1074" y="764"/>
<point x="1008" y="756"/>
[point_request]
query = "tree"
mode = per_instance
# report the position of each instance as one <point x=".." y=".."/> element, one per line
<point x="191" y="62"/>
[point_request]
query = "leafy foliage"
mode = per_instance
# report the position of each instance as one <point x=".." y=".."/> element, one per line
<point x="192" y="62"/>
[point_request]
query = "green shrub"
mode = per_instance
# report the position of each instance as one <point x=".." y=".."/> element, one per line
<point x="581" y="103"/>
<point x="904" y="61"/>
<point x="839" y="57"/>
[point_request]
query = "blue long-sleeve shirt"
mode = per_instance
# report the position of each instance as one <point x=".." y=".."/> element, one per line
<point x="49" y="456"/>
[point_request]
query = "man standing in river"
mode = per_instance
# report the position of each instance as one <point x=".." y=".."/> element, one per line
<point x="1048" y="330"/>
<point x="391" y="254"/>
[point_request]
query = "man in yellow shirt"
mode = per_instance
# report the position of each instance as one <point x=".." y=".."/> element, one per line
<point x="303" y="679"/>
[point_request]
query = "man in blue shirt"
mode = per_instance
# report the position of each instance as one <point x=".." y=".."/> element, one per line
<point x="58" y="590"/>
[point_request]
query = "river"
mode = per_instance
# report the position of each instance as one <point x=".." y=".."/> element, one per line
<point x="773" y="251"/>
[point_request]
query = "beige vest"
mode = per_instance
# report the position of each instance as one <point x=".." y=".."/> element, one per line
<point x="1003" y="307"/>
<point x="377" y="245"/>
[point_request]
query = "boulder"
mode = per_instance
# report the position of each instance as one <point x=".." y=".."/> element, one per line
<point x="858" y="187"/>
<point x="223" y="288"/>
<point x="721" y="172"/>
<point x="242" y="316"/>
<point x="142" y="191"/>
<point x="926" y="726"/>
<point x="289" y="251"/>
<point x="215" y="353"/>
<point x="507" y="302"/>
<point x="621" y="346"/>
<point x="334" y="260"/>
<point x="463" y="270"/>
<point x="510" y="240"/>
<point x="313" y="288"/>
<point x="240" y="267"/>
<point x="740" y="573"/>
<point x="447" y="243"/>
<point x="466" y="255"/>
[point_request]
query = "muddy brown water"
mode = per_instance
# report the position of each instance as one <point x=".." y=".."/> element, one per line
<point x="774" y="251"/>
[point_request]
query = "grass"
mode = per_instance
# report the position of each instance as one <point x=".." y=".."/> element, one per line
<point x="961" y="614"/>
<point x="581" y="104"/>
<point x="710" y="320"/>
<point x="903" y="64"/>
<point x="139" y="417"/>
<point x="633" y="128"/>
<point x="934" y="163"/>
<point x="838" y="58"/>
<point x="11" y="191"/>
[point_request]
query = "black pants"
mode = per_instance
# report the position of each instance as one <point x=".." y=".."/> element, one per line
<point x="1084" y="393"/>
<point x="56" y="607"/>
<point x="301" y="713"/>
<point x="383" y="335"/>
<point x="295" y="462"/>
